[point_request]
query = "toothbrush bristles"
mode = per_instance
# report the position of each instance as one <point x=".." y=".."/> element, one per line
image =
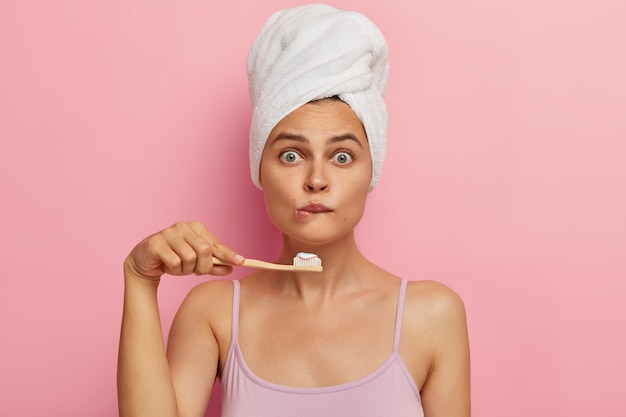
<point x="307" y="259"/>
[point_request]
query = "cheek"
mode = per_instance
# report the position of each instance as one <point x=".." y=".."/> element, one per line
<point x="273" y="182"/>
<point x="357" y="198"/>
<point x="360" y="184"/>
<point x="276" y="192"/>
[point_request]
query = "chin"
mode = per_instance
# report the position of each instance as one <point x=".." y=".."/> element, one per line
<point x="317" y="234"/>
<point x="311" y="241"/>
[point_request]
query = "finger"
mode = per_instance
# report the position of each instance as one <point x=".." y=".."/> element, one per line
<point x="221" y="270"/>
<point x="204" y="244"/>
<point x="153" y="257"/>
<point x="160" y="257"/>
<point x="145" y="258"/>
<point x="218" y="249"/>
<point x="203" y="249"/>
<point x="171" y="261"/>
<point x="185" y="252"/>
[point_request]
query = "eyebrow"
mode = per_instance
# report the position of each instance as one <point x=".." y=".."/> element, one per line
<point x="333" y="139"/>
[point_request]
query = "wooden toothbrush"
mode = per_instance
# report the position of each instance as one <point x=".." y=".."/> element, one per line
<point x="306" y="262"/>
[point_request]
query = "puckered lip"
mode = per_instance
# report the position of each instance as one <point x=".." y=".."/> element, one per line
<point x="315" y="208"/>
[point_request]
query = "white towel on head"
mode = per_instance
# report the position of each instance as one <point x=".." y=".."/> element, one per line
<point x="316" y="51"/>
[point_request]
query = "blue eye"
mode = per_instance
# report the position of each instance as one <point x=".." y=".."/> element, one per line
<point x="342" y="158"/>
<point x="290" y="156"/>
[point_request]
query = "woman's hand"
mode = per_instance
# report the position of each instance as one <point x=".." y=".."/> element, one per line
<point x="182" y="249"/>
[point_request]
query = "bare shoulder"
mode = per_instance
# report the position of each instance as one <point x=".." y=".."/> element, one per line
<point x="209" y="302"/>
<point x="214" y="289"/>
<point x="205" y="317"/>
<point x="210" y="296"/>
<point x="434" y="315"/>
<point x="198" y="340"/>
<point x="434" y="300"/>
<point x="435" y="347"/>
<point x="434" y="331"/>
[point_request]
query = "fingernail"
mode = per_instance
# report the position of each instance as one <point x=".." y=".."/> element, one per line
<point x="239" y="258"/>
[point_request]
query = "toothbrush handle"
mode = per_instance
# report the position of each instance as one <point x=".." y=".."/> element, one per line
<point x="254" y="263"/>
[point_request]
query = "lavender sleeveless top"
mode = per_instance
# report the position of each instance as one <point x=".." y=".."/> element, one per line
<point x="389" y="391"/>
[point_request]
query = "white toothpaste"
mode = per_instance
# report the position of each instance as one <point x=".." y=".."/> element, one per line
<point x="307" y="259"/>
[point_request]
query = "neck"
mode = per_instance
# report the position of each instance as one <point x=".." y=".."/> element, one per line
<point x="343" y="263"/>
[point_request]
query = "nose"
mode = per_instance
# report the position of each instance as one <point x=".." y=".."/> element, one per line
<point x="317" y="179"/>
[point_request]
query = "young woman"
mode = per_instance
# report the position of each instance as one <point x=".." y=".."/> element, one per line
<point x="353" y="340"/>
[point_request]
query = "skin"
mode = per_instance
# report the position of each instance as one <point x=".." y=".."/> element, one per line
<point x="317" y="155"/>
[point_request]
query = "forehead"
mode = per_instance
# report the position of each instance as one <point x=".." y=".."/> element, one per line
<point x="321" y="119"/>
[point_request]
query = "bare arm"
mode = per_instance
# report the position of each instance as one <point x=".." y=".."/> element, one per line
<point x="446" y="391"/>
<point x="192" y="350"/>
<point x="145" y="383"/>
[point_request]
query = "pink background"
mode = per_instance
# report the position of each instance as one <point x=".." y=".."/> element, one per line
<point x="505" y="179"/>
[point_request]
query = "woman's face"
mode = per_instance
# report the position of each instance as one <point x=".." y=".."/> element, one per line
<point x="316" y="171"/>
